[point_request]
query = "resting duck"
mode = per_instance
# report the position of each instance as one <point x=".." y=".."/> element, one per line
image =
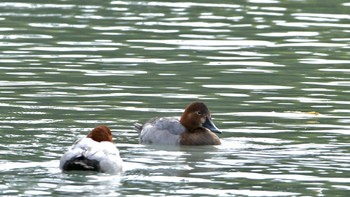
<point x="195" y="127"/>
<point x="95" y="152"/>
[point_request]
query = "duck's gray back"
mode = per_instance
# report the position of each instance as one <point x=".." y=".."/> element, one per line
<point x="165" y="130"/>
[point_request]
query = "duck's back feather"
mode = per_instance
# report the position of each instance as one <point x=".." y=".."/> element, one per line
<point x="81" y="163"/>
<point x="165" y="130"/>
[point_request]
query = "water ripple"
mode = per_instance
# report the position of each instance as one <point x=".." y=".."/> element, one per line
<point x="273" y="74"/>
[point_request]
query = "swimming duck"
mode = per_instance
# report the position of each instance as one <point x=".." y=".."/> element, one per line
<point x="195" y="127"/>
<point x="95" y="152"/>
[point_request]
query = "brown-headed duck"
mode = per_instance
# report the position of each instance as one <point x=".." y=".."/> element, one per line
<point x="195" y="127"/>
<point x="95" y="152"/>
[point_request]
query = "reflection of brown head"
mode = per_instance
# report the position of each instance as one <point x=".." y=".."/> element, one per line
<point x="100" y="133"/>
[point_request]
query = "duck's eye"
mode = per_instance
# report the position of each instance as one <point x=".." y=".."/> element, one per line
<point x="199" y="113"/>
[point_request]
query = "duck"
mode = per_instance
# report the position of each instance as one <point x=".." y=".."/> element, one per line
<point x="95" y="152"/>
<point x="194" y="127"/>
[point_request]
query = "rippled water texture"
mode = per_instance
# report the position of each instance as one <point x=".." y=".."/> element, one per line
<point x="274" y="73"/>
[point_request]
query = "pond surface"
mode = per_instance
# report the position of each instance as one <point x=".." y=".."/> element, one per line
<point x="274" y="73"/>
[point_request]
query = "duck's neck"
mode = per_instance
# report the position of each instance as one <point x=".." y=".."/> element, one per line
<point x="190" y="126"/>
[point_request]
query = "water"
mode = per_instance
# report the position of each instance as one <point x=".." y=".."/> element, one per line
<point x="274" y="73"/>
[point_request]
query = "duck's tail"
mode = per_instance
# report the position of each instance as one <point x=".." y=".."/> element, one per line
<point x="81" y="163"/>
<point x="138" y="127"/>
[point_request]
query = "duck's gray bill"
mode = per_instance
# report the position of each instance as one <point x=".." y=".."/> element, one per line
<point x="211" y="126"/>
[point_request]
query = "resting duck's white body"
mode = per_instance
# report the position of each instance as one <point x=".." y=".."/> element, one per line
<point x="96" y="152"/>
<point x="105" y="153"/>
